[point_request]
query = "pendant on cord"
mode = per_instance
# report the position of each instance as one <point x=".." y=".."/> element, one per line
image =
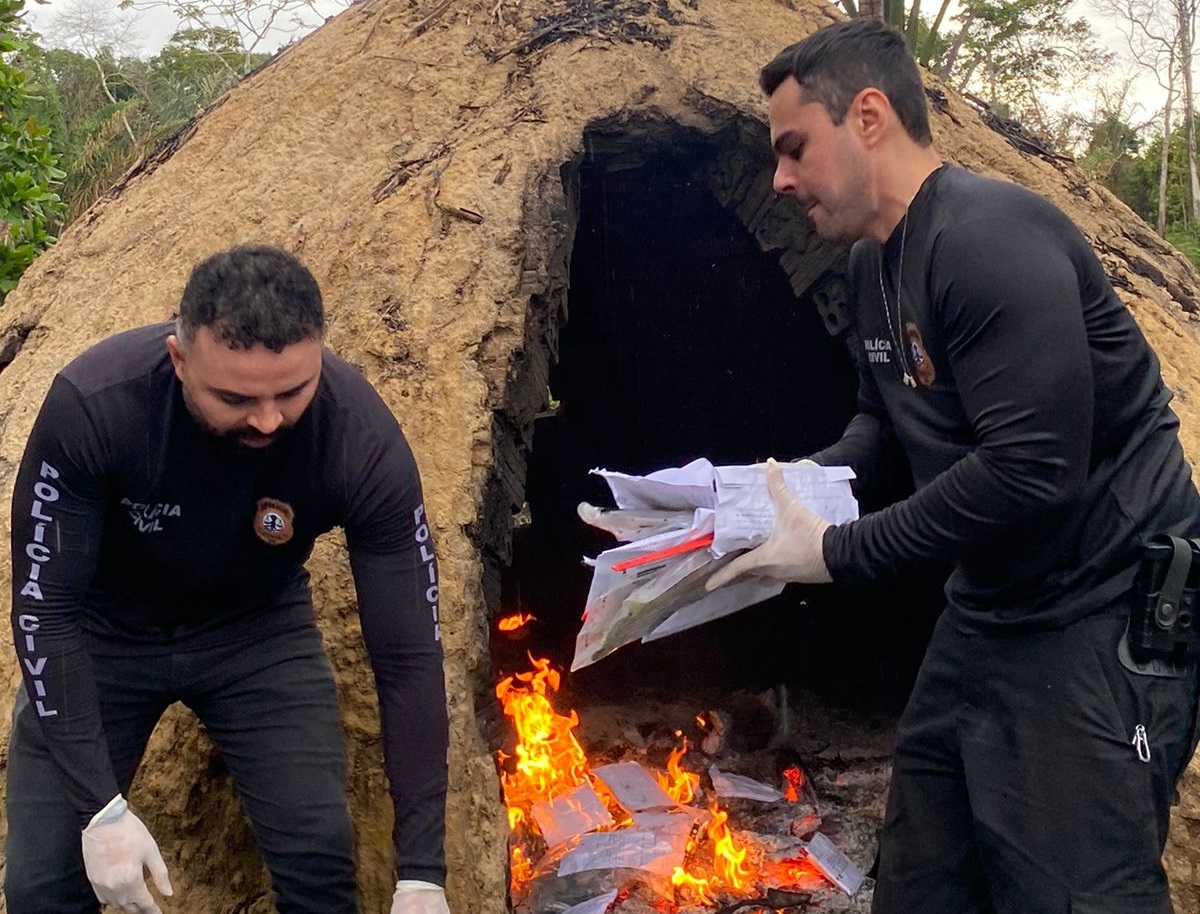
<point x="909" y="381"/>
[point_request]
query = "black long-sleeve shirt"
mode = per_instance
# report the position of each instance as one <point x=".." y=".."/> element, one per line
<point x="1042" y="446"/>
<point x="134" y="524"/>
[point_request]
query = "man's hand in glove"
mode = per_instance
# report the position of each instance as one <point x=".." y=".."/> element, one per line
<point x="413" y="896"/>
<point x="793" y="552"/>
<point x="116" y="846"/>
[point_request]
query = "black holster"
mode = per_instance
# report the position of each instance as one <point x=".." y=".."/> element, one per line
<point x="1163" y="623"/>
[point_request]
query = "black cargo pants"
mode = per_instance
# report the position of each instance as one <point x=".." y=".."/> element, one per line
<point x="1033" y="774"/>
<point x="271" y="708"/>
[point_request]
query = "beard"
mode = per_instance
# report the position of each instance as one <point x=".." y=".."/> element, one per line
<point x="244" y="436"/>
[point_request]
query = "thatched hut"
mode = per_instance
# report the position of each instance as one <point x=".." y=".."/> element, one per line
<point x="431" y="162"/>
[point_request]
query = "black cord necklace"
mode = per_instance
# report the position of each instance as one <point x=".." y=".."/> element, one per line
<point x="897" y="332"/>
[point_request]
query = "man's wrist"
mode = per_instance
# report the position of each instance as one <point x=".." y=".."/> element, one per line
<point x="113" y="810"/>
<point x="412" y="885"/>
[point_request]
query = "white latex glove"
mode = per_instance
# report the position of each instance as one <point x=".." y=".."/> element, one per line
<point x="413" y="896"/>
<point x="116" y="846"/>
<point x="793" y="551"/>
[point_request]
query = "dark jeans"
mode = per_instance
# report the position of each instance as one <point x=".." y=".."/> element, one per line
<point x="271" y="708"/>
<point x="1017" y="787"/>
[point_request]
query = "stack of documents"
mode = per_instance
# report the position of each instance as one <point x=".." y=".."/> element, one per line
<point x="681" y="525"/>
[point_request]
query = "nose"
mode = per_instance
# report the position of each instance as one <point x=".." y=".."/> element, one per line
<point x="266" y="418"/>
<point x="784" y="180"/>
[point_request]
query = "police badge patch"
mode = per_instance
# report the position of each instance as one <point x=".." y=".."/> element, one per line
<point x="273" y="522"/>
<point x="922" y="363"/>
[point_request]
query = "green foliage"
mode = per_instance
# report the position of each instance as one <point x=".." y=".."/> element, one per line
<point x="1187" y="240"/>
<point x="250" y="23"/>
<point x="1016" y="54"/>
<point x="1012" y="54"/>
<point x="1134" y="178"/>
<point x="1114" y="156"/>
<point x="100" y="137"/>
<point x="30" y="210"/>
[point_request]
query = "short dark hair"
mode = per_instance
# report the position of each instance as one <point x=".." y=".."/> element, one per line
<point x="835" y="63"/>
<point x="252" y="295"/>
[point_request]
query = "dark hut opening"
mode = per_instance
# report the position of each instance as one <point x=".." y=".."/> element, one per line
<point x="685" y="338"/>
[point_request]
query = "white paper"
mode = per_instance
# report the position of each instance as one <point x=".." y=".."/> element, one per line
<point x="609" y="622"/>
<point x="629" y="524"/>
<point x="736" y="785"/>
<point x="666" y="595"/>
<point x="672" y="489"/>
<point x="681" y="818"/>
<point x="626" y="848"/>
<point x="573" y="813"/>
<point x="745" y="514"/>
<point x="597" y="905"/>
<point x="721" y="602"/>
<point x="836" y="866"/>
<point x="633" y="786"/>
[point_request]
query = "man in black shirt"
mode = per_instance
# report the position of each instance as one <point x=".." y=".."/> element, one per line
<point x="171" y="490"/>
<point x="1035" y="761"/>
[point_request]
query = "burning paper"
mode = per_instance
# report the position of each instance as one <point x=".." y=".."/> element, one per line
<point x="836" y="866"/>
<point x="633" y="786"/>
<point x="654" y="586"/>
<point x="655" y="852"/>
<point x="573" y="813"/>
<point x="737" y="785"/>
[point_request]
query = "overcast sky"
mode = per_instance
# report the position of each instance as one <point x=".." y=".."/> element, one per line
<point x="152" y="28"/>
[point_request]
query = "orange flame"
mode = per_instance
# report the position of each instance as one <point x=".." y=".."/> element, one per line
<point x="522" y="866"/>
<point x="679" y="785"/>
<point x="728" y="858"/>
<point x="513" y="622"/>
<point x="681" y="878"/>
<point x="795" y="780"/>
<point x="794" y="871"/>
<point x="549" y="760"/>
<point x="728" y="862"/>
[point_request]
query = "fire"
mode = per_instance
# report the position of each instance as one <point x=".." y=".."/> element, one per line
<point x="678" y="784"/>
<point x="513" y="622"/>
<point x="728" y="857"/>
<point x="728" y="861"/>
<point x="522" y="866"/>
<point x="681" y="878"/>
<point x="794" y="871"/>
<point x="795" y="780"/>
<point x="549" y="760"/>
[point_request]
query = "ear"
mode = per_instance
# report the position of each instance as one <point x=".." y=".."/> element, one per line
<point x="872" y="115"/>
<point x="175" y="350"/>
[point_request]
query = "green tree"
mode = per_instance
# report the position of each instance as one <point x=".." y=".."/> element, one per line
<point x="191" y="70"/>
<point x="1141" y="183"/>
<point x="1112" y="157"/>
<point x="1016" y="55"/>
<point x="255" y="24"/>
<point x="1013" y="55"/>
<point x="105" y="111"/>
<point x="30" y="210"/>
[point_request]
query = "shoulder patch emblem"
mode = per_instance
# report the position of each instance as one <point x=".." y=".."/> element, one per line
<point x="273" y="521"/>
<point x="922" y="363"/>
